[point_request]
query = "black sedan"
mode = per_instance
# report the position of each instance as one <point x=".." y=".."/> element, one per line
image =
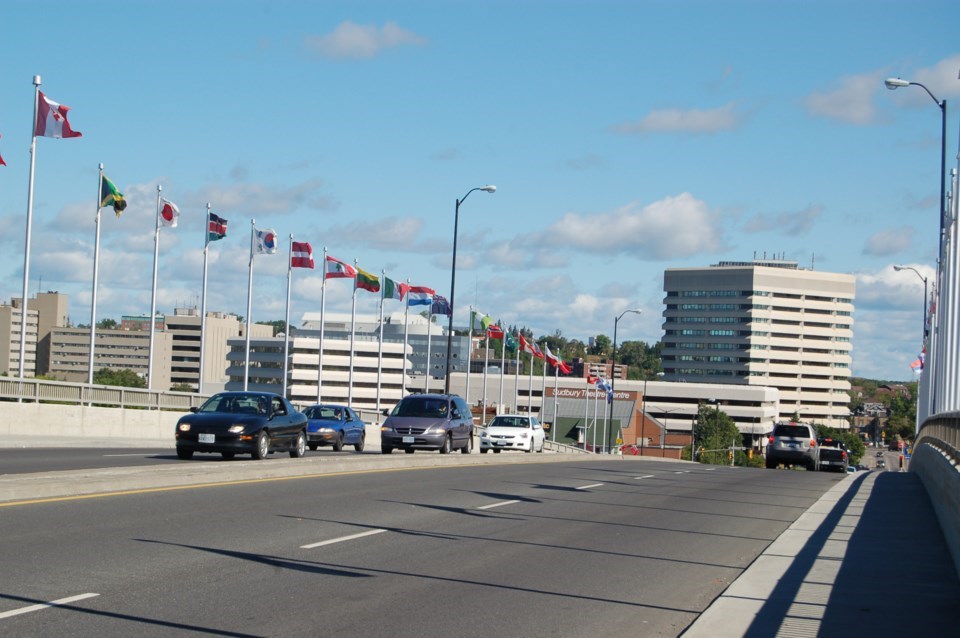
<point x="231" y="423"/>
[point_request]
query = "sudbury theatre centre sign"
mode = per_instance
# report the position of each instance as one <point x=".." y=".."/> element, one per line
<point x="591" y="393"/>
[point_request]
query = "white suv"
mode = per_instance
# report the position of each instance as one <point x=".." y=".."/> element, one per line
<point x="793" y="444"/>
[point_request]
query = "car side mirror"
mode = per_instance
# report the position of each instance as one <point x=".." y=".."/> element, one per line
<point x="194" y="409"/>
<point x="386" y="412"/>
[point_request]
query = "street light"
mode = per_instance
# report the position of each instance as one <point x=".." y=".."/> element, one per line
<point x="923" y="315"/>
<point x="489" y="188"/>
<point x="896" y="83"/>
<point x="613" y="375"/>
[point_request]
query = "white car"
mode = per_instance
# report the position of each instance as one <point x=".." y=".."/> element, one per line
<point x="512" y="432"/>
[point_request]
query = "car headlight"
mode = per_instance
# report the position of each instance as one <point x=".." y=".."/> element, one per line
<point x="524" y="435"/>
<point x="386" y="428"/>
<point x="436" y="429"/>
<point x="325" y="430"/>
<point x="483" y="434"/>
<point x="184" y="427"/>
<point x="236" y="428"/>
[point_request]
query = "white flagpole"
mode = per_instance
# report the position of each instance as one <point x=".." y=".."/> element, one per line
<point x="93" y="299"/>
<point x="26" y="241"/>
<point x="543" y="387"/>
<point x="203" y="297"/>
<point x="530" y="388"/>
<point x="383" y="291"/>
<point x="426" y="378"/>
<point x="469" y="356"/>
<point x="246" y="357"/>
<point x="486" y="364"/>
<point x="596" y="408"/>
<point x="586" y="406"/>
<point x="323" y="303"/>
<point x="286" y="333"/>
<point x="516" y="382"/>
<point x="406" y="325"/>
<point x="556" y="386"/>
<point x="353" y="324"/>
<point x="153" y="295"/>
<point x="503" y="365"/>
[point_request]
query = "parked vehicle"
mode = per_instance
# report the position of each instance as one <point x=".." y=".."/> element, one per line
<point x="428" y="422"/>
<point x="334" y="425"/>
<point x="232" y="423"/>
<point x="793" y="444"/>
<point x="512" y="432"/>
<point x="833" y="455"/>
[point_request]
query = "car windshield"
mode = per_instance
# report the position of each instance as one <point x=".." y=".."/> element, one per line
<point x="430" y="407"/>
<point x="510" y="422"/>
<point x="792" y="431"/>
<point x="236" y="404"/>
<point x="323" y="412"/>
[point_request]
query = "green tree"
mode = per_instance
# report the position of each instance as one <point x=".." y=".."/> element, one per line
<point x="121" y="378"/>
<point x="601" y="345"/>
<point x="850" y="438"/>
<point x="714" y="433"/>
<point x="107" y="324"/>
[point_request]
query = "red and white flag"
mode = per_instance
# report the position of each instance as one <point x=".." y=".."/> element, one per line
<point x="301" y="255"/>
<point x="52" y="119"/>
<point x="169" y="213"/>
<point x="336" y="269"/>
<point x="2" y="163"/>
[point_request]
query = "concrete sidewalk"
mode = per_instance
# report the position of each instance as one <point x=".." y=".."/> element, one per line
<point x="868" y="559"/>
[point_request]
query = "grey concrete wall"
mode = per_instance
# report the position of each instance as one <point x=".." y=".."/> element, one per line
<point x="941" y="478"/>
<point x="47" y="420"/>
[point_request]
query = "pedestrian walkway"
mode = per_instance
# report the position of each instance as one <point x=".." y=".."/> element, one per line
<point x="868" y="559"/>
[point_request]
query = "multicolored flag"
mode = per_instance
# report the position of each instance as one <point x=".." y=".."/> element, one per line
<point x="420" y="296"/>
<point x="494" y="331"/>
<point x="110" y="195"/>
<point x="394" y="289"/>
<point x="525" y="345"/>
<point x="169" y="213"/>
<point x="301" y="255"/>
<point x="52" y="119"/>
<point x="537" y="352"/>
<point x="266" y="241"/>
<point x="367" y="281"/>
<point x="592" y="379"/>
<point x="216" y="228"/>
<point x="511" y="343"/>
<point x="557" y="362"/>
<point x="336" y="269"/>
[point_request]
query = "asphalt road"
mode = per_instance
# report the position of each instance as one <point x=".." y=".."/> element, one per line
<point x="579" y="548"/>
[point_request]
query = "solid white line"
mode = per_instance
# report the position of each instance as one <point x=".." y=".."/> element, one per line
<point x="492" y="505"/>
<point x="710" y="469"/>
<point x="111" y="455"/>
<point x="52" y="603"/>
<point x="643" y="477"/>
<point x="587" y="487"/>
<point x="343" y="538"/>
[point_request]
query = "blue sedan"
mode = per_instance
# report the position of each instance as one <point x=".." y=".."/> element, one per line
<point x="334" y="425"/>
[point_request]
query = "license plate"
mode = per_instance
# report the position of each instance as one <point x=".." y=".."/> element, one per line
<point x="408" y="439"/>
<point x="500" y="443"/>
<point x="207" y="438"/>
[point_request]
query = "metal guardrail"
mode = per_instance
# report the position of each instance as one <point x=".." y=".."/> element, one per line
<point x="942" y="431"/>
<point x="44" y="391"/>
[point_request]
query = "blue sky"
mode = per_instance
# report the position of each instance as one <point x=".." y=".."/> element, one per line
<point x="624" y="138"/>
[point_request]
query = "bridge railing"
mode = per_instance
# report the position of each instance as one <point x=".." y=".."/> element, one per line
<point x="62" y="392"/>
<point x="936" y="460"/>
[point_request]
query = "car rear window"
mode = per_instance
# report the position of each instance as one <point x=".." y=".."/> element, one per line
<point x="791" y="431"/>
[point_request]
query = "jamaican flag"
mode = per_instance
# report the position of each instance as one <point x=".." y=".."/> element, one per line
<point x="110" y="195"/>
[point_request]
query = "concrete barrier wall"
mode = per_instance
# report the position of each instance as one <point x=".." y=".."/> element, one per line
<point x="941" y="478"/>
<point x="46" y="420"/>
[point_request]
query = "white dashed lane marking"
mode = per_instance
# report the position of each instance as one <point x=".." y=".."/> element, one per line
<point x="343" y="539"/>
<point x="52" y="603"/>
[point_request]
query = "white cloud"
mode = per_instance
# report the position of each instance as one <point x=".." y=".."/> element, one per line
<point x="888" y="242"/>
<point x="851" y="102"/>
<point x="941" y="78"/>
<point x="723" y="118"/>
<point x="394" y="233"/>
<point x="356" y="41"/>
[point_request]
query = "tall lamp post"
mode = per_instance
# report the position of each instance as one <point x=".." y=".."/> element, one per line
<point x="453" y="281"/>
<point x="613" y="367"/>
<point x="923" y="315"/>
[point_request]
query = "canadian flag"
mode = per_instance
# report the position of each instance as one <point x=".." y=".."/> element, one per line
<point x="52" y="119"/>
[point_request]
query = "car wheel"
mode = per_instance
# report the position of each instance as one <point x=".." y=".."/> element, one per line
<point x="183" y="454"/>
<point x="338" y="443"/>
<point x="540" y="451"/>
<point x="529" y="449"/>
<point x="496" y="451"/>
<point x="227" y="455"/>
<point x="447" y="445"/>
<point x="409" y="450"/>
<point x="360" y="445"/>
<point x="262" y="447"/>
<point x="385" y="449"/>
<point x="300" y="447"/>
<point x="771" y="465"/>
<point x="484" y="450"/>
<point x="312" y="446"/>
<point x="468" y="448"/>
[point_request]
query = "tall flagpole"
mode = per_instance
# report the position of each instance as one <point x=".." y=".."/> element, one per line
<point x="353" y="326"/>
<point x="153" y="295"/>
<point x="586" y="407"/>
<point x="383" y="291"/>
<point x="556" y="415"/>
<point x="503" y="365"/>
<point x="516" y="383"/>
<point x="596" y="409"/>
<point x="246" y="356"/>
<point x="469" y="355"/>
<point x="530" y="387"/>
<point x="286" y="334"/>
<point x="93" y="299"/>
<point x="203" y="298"/>
<point x="26" y="241"/>
<point x="406" y="325"/>
<point x="323" y="303"/>
<point x="426" y="377"/>
<point x="543" y="388"/>
<point x="486" y="364"/>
